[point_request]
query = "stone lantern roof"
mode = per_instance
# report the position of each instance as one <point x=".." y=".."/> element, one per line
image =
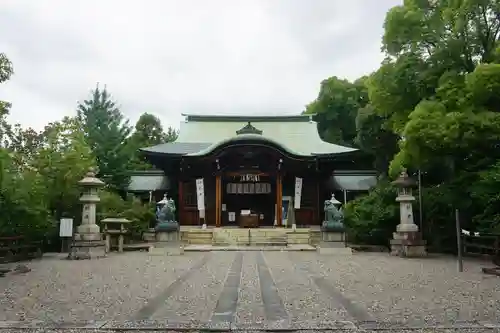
<point x="404" y="181"/>
<point x="90" y="180"/>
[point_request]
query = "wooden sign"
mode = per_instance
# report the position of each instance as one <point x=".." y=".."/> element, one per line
<point x="66" y="228"/>
<point x="249" y="178"/>
<point x="200" y="194"/>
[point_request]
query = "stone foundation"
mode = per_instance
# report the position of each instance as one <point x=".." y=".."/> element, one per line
<point x="333" y="237"/>
<point x="167" y="236"/>
<point x="167" y="244"/>
<point x="87" y="249"/>
<point x="149" y="236"/>
<point x="408" y="244"/>
<point x="333" y="243"/>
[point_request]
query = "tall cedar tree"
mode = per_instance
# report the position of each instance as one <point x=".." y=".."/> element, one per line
<point x="107" y="133"/>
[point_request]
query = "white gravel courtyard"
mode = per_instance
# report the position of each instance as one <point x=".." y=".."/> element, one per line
<point x="245" y="288"/>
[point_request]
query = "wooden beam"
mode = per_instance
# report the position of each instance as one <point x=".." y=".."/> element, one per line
<point x="279" y="200"/>
<point x="218" y="197"/>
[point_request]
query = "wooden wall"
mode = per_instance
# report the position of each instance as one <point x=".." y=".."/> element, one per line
<point x="310" y="212"/>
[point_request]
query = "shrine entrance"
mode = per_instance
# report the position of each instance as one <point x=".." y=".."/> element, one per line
<point x="248" y="199"/>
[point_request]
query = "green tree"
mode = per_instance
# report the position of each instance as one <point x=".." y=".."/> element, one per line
<point x="336" y="108"/>
<point x="373" y="137"/>
<point x="6" y="70"/>
<point x="24" y="143"/>
<point x="107" y="133"/>
<point x="23" y="203"/>
<point x="148" y="132"/>
<point x="63" y="161"/>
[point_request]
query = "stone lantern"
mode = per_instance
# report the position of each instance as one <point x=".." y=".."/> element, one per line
<point x="87" y="242"/>
<point x="407" y="240"/>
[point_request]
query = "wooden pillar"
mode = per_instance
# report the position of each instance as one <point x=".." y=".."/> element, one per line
<point x="181" y="202"/>
<point x="279" y="199"/>
<point x="218" y="199"/>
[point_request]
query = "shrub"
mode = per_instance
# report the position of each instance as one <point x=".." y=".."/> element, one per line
<point x="142" y="216"/>
<point x="372" y="218"/>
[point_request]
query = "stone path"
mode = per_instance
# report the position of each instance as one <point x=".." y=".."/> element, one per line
<point x="251" y="290"/>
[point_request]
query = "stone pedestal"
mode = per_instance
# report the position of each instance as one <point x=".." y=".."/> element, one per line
<point x="333" y="243"/>
<point x="167" y="244"/>
<point x="87" y="249"/>
<point x="149" y="236"/>
<point x="408" y="244"/>
<point x="167" y="237"/>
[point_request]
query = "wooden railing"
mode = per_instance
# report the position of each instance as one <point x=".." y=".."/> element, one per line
<point x="484" y="245"/>
<point x="15" y="248"/>
<point x="481" y="244"/>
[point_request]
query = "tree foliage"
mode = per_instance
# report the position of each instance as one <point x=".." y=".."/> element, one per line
<point x="148" y="132"/>
<point x="40" y="170"/>
<point x="336" y="107"/>
<point x="107" y="132"/>
<point x="433" y="105"/>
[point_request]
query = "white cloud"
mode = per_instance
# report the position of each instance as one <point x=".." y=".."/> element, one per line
<point x="168" y="57"/>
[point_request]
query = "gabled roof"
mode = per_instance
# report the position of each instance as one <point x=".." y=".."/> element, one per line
<point x="199" y="134"/>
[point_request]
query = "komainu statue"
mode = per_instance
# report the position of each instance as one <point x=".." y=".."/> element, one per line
<point x="334" y="219"/>
<point x="165" y="216"/>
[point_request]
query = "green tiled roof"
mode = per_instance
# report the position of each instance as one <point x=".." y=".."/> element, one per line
<point x="177" y="148"/>
<point x="297" y="135"/>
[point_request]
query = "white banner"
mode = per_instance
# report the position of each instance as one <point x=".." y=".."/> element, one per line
<point x="298" y="192"/>
<point x="66" y="228"/>
<point x="200" y="194"/>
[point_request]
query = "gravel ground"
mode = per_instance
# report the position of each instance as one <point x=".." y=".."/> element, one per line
<point x="249" y="287"/>
<point x="410" y="290"/>
<point x="110" y="288"/>
<point x="302" y="299"/>
<point x="256" y="331"/>
<point x="249" y="294"/>
<point x="196" y="298"/>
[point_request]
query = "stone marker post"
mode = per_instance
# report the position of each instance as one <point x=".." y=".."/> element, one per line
<point x="87" y="242"/>
<point x="407" y="240"/>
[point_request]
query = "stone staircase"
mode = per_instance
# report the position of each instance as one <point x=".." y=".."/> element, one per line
<point x="268" y="237"/>
<point x="260" y="237"/>
<point x="250" y="237"/>
<point x="197" y="236"/>
<point x="231" y="237"/>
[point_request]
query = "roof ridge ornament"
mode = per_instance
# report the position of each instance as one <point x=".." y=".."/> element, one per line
<point x="249" y="129"/>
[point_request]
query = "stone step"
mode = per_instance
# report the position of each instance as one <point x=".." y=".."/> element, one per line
<point x="269" y="243"/>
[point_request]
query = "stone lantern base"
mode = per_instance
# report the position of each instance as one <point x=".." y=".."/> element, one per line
<point x="89" y="246"/>
<point x="408" y="244"/>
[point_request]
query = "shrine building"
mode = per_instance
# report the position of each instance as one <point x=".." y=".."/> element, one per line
<point x="256" y="165"/>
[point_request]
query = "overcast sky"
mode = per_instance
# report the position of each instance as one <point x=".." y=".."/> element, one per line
<point x="183" y="56"/>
